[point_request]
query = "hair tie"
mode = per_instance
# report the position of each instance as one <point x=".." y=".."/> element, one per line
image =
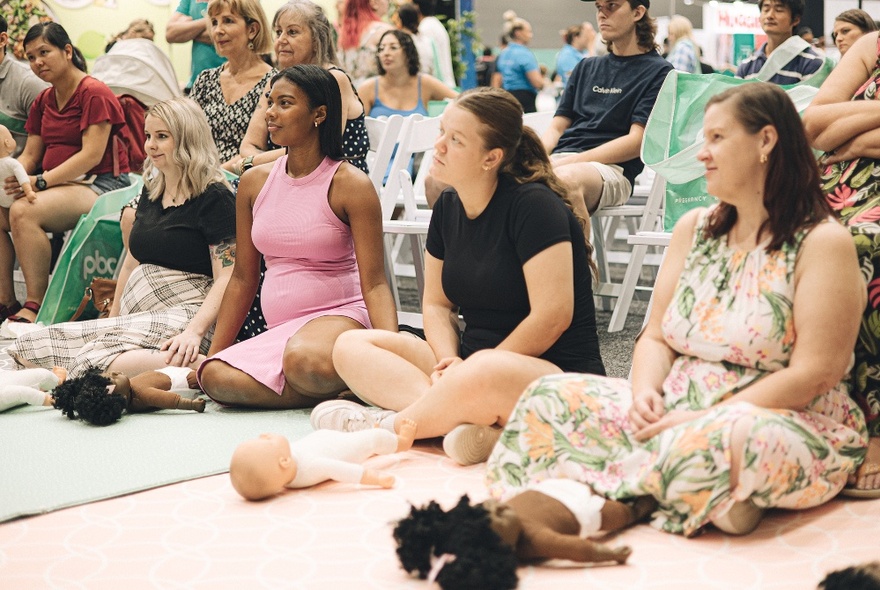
<point x="437" y="564"/>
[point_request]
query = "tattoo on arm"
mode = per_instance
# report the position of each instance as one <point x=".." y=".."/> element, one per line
<point x="224" y="252"/>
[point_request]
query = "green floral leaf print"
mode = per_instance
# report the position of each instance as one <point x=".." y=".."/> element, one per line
<point x="861" y="377"/>
<point x="694" y="398"/>
<point x="781" y="308"/>
<point x="861" y="177"/>
<point x="872" y="323"/>
<point x="686" y="302"/>
<point x="513" y="474"/>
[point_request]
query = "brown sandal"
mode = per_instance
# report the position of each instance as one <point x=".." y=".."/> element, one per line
<point x="30" y="306"/>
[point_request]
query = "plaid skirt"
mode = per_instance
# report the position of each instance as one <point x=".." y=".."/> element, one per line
<point x="157" y="304"/>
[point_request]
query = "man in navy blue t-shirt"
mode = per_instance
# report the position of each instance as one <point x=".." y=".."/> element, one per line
<point x="596" y="134"/>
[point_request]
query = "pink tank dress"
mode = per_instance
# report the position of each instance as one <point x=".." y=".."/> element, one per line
<point x="311" y="269"/>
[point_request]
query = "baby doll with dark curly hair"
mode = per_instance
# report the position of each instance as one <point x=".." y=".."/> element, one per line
<point x="100" y="398"/>
<point x="479" y="546"/>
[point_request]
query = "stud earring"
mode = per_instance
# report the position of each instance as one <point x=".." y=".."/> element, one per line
<point x="316" y="124"/>
<point x="763" y="158"/>
<point x="486" y="168"/>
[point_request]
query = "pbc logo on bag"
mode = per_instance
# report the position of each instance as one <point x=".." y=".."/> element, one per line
<point x="98" y="265"/>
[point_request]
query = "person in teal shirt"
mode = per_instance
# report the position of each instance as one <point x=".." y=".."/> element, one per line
<point x="189" y="23"/>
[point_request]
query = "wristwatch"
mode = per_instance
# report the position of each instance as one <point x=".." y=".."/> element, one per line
<point x="247" y="164"/>
<point x="41" y="183"/>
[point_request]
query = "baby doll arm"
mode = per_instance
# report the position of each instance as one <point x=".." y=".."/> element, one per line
<point x="150" y="391"/>
<point x="24" y="180"/>
<point x="17" y="395"/>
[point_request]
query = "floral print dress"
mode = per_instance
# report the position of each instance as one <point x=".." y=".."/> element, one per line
<point x="853" y="191"/>
<point x="731" y="323"/>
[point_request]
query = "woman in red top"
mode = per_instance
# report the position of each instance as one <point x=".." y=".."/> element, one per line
<point x="70" y="130"/>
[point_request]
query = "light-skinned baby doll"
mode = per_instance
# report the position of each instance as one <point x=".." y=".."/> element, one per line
<point x="29" y="386"/>
<point x="264" y="466"/>
<point x="9" y="166"/>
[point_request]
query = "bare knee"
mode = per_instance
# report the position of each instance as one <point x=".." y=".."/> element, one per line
<point x="309" y="369"/>
<point x="350" y="344"/>
<point x="216" y="378"/>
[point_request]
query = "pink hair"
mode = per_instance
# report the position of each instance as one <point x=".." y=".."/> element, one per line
<point x="357" y="17"/>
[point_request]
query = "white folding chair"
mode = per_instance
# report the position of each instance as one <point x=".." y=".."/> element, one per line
<point x="649" y="234"/>
<point x="404" y="207"/>
<point x="538" y="121"/>
<point x="383" y="133"/>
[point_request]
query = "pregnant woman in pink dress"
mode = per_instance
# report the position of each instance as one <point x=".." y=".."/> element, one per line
<point x="317" y="222"/>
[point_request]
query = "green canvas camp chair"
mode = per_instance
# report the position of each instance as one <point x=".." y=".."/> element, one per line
<point x="673" y="138"/>
<point x="93" y="249"/>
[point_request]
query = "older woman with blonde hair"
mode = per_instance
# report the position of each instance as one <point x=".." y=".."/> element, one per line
<point x="181" y="253"/>
<point x="304" y="35"/>
<point x="229" y="93"/>
<point x="684" y="55"/>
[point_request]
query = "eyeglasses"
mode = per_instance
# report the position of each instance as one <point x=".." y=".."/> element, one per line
<point x="608" y="7"/>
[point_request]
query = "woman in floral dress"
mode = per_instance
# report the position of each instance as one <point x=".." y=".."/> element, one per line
<point x="844" y="121"/>
<point x="739" y="398"/>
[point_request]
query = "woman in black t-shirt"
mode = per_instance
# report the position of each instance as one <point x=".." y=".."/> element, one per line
<point x="181" y="254"/>
<point x="504" y="250"/>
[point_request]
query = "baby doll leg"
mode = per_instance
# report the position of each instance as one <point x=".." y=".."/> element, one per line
<point x="372" y="477"/>
<point x="17" y="395"/>
<point x="406" y="436"/>
<point x="618" y="515"/>
<point x="149" y="391"/>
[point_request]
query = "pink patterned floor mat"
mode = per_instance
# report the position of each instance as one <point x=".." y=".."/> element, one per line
<point x="200" y="534"/>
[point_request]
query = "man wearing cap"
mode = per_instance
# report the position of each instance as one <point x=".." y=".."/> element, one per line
<point x="596" y="135"/>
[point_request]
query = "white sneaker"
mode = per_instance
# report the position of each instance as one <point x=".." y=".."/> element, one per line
<point x="741" y="519"/>
<point x="346" y="416"/>
<point x="469" y="444"/>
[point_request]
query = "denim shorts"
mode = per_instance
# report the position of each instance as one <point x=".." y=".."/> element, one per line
<point x="107" y="182"/>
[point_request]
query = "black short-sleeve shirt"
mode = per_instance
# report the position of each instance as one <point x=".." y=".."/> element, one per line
<point x="179" y="237"/>
<point x="483" y="262"/>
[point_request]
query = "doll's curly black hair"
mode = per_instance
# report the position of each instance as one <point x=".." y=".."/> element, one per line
<point x="85" y="397"/>
<point x="480" y="560"/>
<point x="859" y="577"/>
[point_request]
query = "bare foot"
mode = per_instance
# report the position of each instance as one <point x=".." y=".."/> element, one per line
<point x="407" y="435"/>
<point x="61" y="373"/>
<point x="621" y="554"/>
<point x="386" y="480"/>
<point x="371" y="477"/>
<point x="867" y="476"/>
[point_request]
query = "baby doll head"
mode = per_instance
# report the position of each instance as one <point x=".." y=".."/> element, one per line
<point x="7" y="142"/>
<point x="858" y="577"/>
<point x="97" y="398"/>
<point x="260" y="467"/>
<point x="456" y="548"/>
